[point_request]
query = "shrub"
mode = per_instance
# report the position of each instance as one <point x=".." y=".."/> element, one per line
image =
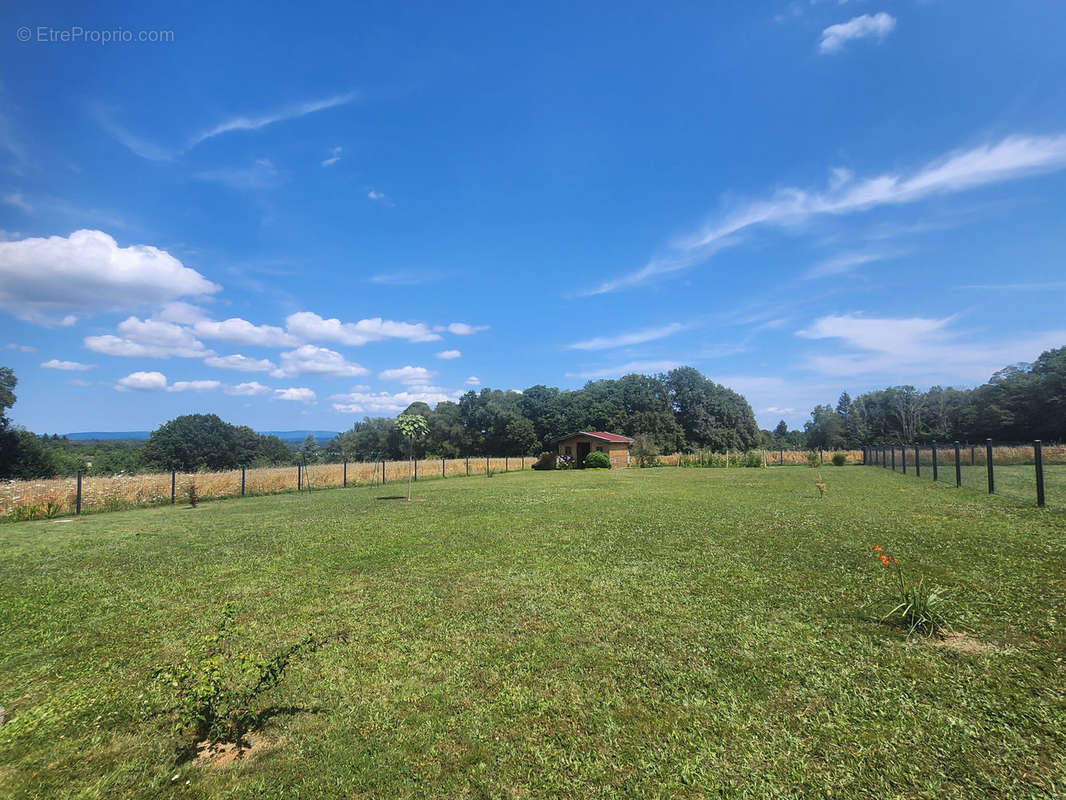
<point x="597" y="460"/>
<point x="564" y="462"/>
<point x="216" y="684"/>
<point x="839" y="459"/>
<point x="813" y="460"/>
<point x="546" y="461"/>
<point x="193" y="493"/>
<point x="644" y="451"/>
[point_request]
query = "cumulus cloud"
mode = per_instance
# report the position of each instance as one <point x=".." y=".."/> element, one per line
<point x="142" y="381"/>
<point x="473" y="380"/>
<point x="70" y="366"/>
<point x="409" y="375"/>
<point x="241" y="363"/>
<point x="311" y="327"/>
<point x="867" y="26"/>
<point x="312" y="360"/>
<point x="149" y="338"/>
<point x="448" y="354"/>
<point x="296" y="394"/>
<point x="247" y="389"/>
<point x="366" y="402"/>
<point x="240" y="331"/>
<point x="87" y="272"/>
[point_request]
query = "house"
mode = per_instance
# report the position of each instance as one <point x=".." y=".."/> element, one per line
<point x="580" y="444"/>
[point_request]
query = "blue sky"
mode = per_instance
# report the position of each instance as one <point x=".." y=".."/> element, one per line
<point x="295" y="217"/>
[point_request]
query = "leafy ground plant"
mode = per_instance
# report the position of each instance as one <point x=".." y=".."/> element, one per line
<point x="216" y="684"/>
<point x="920" y="607"/>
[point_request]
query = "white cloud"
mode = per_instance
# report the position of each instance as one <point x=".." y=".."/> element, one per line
<point x="194" y="386"/>
<point x="180" y="312"/>
<point x="379" y="197"/>
<point x="261" y="174"/>
<point x="334" y="156"/>
<point x="296" y="394"/>
<point x="461" y="328"/>
<point x="364" y="402"/>
<point x="311" y="327"/>
<point x="410" y="375"/>
<point x="623" y="339"/>
<point x="21" y="348"/>
<point x="448" y="354"/>
<point x="843" y="263"/>
<point x="142" y="381"/>
<point x="312" y="360"/>
<point x="240" y="331"/>
<point x="918" y="348"/>
<point x="640" y="367"/>
<point x="149" y="338"/>
<point x="1009" y="159"/>
<point x="253" y="123"/>
<point x="17" y="200"/>
<point x="876" y="26"/>
<point x="473" y="380"/>
<point x="788" y="412"/>
<point x="241" y="363"/>
<point x="247" y="389"/>
<point x="87" y="272"/>
<point x="74" y="366"/>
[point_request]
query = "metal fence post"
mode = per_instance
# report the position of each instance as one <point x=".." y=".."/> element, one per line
<point x="468" y="466"/>
<point x="506" y="464"/>
<point x="781" y="457"/>
<point x="958" y="467"/>
<point x="893" y="458"/>
<point x="1038" y="457"/>
<point x="988" y="458"/>
<point x="917" y="462"/>
<point x="486" y="465"/>
<point x="442" y="468"/>
<point x="819" y="456"/>
<point x="242" y="481"/>
<point x="173" y="484"/>
<point x="973" y="448"/>
<point x="77" y="497"/>
<point x="345" y="478"/>
<point x="903" y="455"/>
<point x="382" y="472"/>
<point x="935" y="476"/>
<point x="299" y="477"/>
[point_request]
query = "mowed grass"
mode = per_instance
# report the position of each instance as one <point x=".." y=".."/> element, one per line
<point x="640" y="633"/>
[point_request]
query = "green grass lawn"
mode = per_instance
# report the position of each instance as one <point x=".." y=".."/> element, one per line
<point x="640" y="633"/>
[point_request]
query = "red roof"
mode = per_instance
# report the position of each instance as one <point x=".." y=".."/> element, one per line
<point x="607" y="437"/>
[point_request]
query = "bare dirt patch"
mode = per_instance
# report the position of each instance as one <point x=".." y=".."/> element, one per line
<point x="216" y="756"/>
<point x="962" y="643"/>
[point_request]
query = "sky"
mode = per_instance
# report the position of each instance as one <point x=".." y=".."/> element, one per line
<point x="295" y="216"/>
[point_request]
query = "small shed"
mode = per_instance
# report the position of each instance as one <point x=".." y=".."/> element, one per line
<point x="580" y="444"/>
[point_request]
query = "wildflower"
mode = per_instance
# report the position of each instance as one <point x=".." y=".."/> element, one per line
<point x="877" y="548"/>
<point x="885" y="560"/>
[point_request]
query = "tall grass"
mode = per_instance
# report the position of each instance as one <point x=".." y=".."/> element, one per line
<point x="117" y="492"/>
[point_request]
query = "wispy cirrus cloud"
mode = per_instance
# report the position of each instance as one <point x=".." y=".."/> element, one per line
<point x="67" y="366"/>
<point x="258" y="121"/>
<point x="843" y="263"/>
<point x="633" y="337"/>
<point x="913" y="349"/>
<point x="639" y="367"/>
<point x="1009" y="159"/>
<point x="865" y="26"/>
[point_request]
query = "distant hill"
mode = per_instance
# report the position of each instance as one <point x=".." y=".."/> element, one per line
<point x="285" y="436"/>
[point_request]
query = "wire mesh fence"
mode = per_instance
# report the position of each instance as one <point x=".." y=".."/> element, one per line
<point x="1033" y="472"/>
<point x="45" y="498"/>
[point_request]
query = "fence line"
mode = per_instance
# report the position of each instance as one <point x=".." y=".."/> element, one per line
<point x="55" y="496"/>
<point x="999" y="469"/>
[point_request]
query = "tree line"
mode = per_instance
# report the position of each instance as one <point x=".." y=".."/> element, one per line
<point x="1019" y="403"/>
<point x="680" y="410"/>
